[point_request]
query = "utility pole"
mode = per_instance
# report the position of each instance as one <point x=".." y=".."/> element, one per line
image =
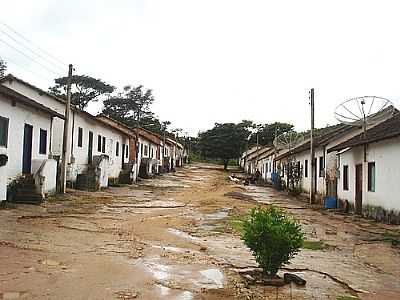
<point x="66" y="135"/>
<point x="312" y="160"/>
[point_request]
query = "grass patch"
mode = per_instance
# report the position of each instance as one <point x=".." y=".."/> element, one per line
<point x="236" y="225"/>
<point x="347" y="298"/>
<point x="313" y="245"/>
<point x="392" y="238"/>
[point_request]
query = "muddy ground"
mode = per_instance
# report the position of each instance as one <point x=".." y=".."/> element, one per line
<point x="177" y="237"/>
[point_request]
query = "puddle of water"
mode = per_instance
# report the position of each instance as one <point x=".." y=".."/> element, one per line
<point x="172" y="249"/>
<point x="215" y="276"/>
<point x="168" y="293"/>
<point x="182" y="234"/>
<point x="160" y="272"/>
<point x="218" y="215"/>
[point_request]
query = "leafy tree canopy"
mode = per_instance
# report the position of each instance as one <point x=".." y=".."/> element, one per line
<point x="85" y="89"/>
<point x="225" y="141"/>
<point x="132" y="107"/>
<point x="267" y="132"/>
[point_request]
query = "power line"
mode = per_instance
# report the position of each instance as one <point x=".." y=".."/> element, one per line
<point x="29" y="57"/>
<point x="8" y="60"/>
<point x="29" y="49"/>
<point x="29" y="41"/>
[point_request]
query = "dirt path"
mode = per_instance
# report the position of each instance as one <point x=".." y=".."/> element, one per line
<point x="176" y="237"/>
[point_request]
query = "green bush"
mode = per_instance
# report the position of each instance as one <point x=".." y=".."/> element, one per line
<point x="273" y="238"/>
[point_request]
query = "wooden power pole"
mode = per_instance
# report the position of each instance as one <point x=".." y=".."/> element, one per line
<point x="312" y="160"/>
<point x="66" y="136"/>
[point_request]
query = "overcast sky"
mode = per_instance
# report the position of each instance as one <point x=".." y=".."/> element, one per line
<point x="219" y="60"/>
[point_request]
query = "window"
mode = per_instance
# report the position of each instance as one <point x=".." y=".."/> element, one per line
<point x="80" y="136"/>
<point x="306" y="168"/>
<point x="146" y="150"/>
<point x="99" y="143"/>
<point x="117" y="149"/>
<point x="141" y="149"/>
<point x="127" y="151"/>
<point x="345" y="178"/>
<point x="103" y="146"/>
<point x="152" y="153"/>
<point x="321" y="166"/>
<point x="371" y="176"/>
<point x="3" y="131"/>
<point x="43" y="141"/>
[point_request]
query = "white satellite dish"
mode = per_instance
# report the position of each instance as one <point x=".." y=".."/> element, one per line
<point x="288" y="140"/>
<point x="364" y="111"/>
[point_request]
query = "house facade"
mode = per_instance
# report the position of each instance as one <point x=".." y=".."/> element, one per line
<point x="369" y="171"/>
<point x="96" y="150"/>
<point x="26" y="128"/>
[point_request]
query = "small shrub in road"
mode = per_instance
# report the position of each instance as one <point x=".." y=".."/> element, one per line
<point x="273" y="237"/>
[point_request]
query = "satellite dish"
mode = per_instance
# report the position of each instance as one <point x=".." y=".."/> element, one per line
<point x="288" y="140"/>
<point x="364" y="111"/>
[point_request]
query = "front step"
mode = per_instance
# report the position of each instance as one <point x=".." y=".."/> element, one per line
<point x="25" y="191"/>
<point x="28" y="196"/>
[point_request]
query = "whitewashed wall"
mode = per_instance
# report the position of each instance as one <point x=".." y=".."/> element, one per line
<point x="50" y="102"/>
<point x="80" y="154"/>
<point x="18" y="116"/>
<point x="385" y="154"/>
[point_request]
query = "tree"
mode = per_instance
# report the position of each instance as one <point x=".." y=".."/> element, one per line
<point x="267" y="133"/>
<point x="273" y="238"/>
<point x="3" y="68"/>
<point x="132" y="107"/>
<point x="85" y="89"/>
<point x="225" y="141"/>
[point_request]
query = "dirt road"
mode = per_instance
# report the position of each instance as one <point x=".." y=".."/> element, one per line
<point x="176" y="237"/>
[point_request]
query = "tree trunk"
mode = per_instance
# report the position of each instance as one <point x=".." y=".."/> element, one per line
<point x="226" y="164"/>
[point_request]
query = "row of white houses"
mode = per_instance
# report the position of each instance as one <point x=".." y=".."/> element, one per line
<point x="101" y="151"/>
<point x="361" y="171"/>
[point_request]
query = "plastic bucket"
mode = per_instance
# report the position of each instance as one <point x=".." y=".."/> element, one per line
<point x="330" y="202"/>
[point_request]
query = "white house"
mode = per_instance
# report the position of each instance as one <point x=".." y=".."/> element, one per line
<point x="97" y="150"/>
<point x="149" y="153"/>
<point x="244" y="160"/>
<point x="369" y="172"/>
<point x="26" y="128"/>
<point x="266" y="162"/>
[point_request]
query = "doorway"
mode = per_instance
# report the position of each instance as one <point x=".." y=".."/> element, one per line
<point x="90" y="148"/>
<point x="27" y="149"/>
<point x="359" y="189"/>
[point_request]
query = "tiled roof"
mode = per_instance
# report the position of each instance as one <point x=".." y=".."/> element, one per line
<point x="385" y="130"/>
<point x="13" y="95"/>
<point x="322" y="138"/>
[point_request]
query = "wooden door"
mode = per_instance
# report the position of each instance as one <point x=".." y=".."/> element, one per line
<point x="359" y="189"/>
<point x="27" y="149"/>
<point x="90" y="148"/>
<point x="315" y="175"/>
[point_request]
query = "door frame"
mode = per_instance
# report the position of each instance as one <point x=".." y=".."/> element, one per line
<point x="358" y="189"/>
<point x="90" y="147"/>
<point x="27" y="149"/>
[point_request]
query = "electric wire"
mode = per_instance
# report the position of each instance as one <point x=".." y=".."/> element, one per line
<point x="54" y="58"/>
<point x="31" y="51"/>
<point x="13" y="62"/>
<point x="29" y="57"/>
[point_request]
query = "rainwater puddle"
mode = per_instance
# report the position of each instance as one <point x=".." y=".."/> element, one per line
<point x="182" y="234"/>
<point x="172" y="249"/>
<point x="215" y="276"/>
<point x="188" y="277"/>
<point x="168" y="293"/>
<point x="218" y="215"/>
